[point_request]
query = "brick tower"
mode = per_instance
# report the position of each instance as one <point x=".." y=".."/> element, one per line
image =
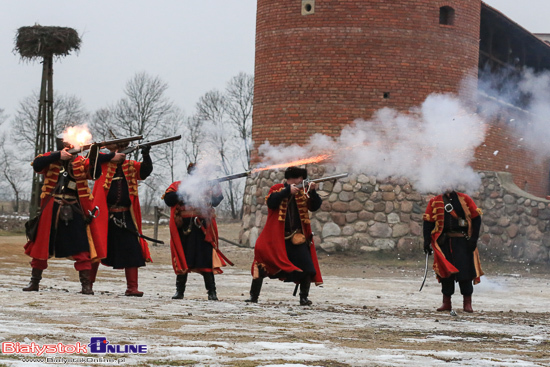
<point x="320" y="64"/>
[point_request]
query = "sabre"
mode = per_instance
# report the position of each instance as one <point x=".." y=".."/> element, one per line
<point x="425" y="272"/>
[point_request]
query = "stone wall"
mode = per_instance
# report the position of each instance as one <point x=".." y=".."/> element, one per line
<point x="360" y="213"/>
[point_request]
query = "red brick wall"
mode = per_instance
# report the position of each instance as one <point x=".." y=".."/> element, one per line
<point x="529" y="172"/>
<point x="315" y="73"/>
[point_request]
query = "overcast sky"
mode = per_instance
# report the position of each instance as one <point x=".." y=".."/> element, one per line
<point x="193" y="45"/>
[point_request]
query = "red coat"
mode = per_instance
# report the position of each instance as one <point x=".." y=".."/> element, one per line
<point x="270" y="250"/>
<point x="209" y="228"/>
<point x="39" y="249"/>
<point x="435" y="212"/>
<point x="101" y="189"/>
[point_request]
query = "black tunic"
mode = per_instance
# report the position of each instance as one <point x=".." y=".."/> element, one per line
<point x="198" y="252"/>
<point x="123" y="246"/>
<point x="299" y="255"/>
<point x="457" y="250"/>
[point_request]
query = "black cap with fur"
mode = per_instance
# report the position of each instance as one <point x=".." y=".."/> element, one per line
<point x="295" y="172"/>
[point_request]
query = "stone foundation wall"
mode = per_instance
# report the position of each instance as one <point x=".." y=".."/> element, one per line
<point x="360" y="213"/>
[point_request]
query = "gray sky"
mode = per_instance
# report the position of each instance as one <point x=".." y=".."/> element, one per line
<point x="195" y="46"/>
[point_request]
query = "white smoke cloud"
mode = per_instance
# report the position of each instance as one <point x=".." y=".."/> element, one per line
<point x="525" y="94"/>
<point x="432" y="146"/>
<point x="196" y="188"/>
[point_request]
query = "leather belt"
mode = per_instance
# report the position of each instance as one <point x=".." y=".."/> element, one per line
<point x="64" y="197"/>
<point x="65" y="201"/>
<point x="455" y="234"/>
<point x="118" y="209"/>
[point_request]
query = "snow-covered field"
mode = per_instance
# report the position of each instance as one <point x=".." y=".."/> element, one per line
<point x="364" y="315"/>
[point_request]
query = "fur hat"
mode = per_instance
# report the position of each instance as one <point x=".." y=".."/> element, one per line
<point x="191" y="167"/>
<point x="59" y="143"/>
<point x="295" y="172"/>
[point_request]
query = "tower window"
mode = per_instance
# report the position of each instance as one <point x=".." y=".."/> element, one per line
<point x="308" y="7"/>
<point x="446" y="15"/>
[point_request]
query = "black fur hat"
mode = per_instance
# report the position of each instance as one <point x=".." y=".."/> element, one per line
<point x="295" y="172"/>
<point x="59" y="143"/>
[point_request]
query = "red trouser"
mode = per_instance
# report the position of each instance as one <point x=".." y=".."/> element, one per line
<point x="82" y="262"/>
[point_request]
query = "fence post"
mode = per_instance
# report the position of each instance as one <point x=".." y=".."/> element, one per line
<point x="156" y="226"/>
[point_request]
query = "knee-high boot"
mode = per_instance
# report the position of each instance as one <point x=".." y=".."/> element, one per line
<point x="84" y="276"/>
<point x="132" y="282"/>
<point x="181" y="280"/>
<point x="468" y="304"/>
<point x="304" y="292"/>
<point x="36" y="276"/>
<point x="210" y="285"/>
<point x="255" y="289"/>
<point x="446" y="306"/>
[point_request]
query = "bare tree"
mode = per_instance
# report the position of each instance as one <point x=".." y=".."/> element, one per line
<point x="169" y="154"/>
<point x="3" y="116"/>
<point x="68" y="111"/>
<point x="240" y="95"/>
<point x="145" y="110"/>
<point x="15" y="177"/>
<point x="212" y="109"/>
<point x="193" y="137"/>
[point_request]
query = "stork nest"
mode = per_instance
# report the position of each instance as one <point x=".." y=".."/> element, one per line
<point x="38" y="41"/>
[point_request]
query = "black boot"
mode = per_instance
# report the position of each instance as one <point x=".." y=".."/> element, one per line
<point x="181" y="280"/>
<point x="255" y="289"/>
<point x="36" y="276"/>
<point x="304" y="292"/>
<point x="210" y="285"/>
<point x="85" y="282"/>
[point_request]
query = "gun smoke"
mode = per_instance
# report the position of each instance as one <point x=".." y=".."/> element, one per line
<point x="525" y="94"/>
<point x="195" y="189"/>
<point x="431" y="146"/>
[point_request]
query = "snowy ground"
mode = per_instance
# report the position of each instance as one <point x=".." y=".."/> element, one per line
<point x="366" y="314"/>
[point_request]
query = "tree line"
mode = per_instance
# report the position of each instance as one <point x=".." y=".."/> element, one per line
<point x="218" y="131"/>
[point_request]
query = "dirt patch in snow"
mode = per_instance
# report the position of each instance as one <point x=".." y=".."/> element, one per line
<point x="368" y="313"/>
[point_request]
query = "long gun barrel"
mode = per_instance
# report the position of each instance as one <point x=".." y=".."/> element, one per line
<point x="150" y="143"/>
<point x="322" y="179"/>
<point x="230" y="177"/>
<point x="105" y="143"/>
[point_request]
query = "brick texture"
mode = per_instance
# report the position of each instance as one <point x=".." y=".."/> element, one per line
<point x="317" y="73"/>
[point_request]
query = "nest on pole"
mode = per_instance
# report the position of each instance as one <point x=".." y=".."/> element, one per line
<point x="38" y="41"/>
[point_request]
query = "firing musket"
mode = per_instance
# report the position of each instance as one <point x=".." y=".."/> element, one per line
<point x="104" y="143"/>
<point x="230" y="177"/>
<point x="150" y="143"/>
<point x="306" y="182"/>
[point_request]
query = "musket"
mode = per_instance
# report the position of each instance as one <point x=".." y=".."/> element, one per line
<point x="322" y="179"/>
<point x="230" y="177"/>
<point x="425" y="271"/>
<point x="104" y="143"/>
<point x="150" y="143"/>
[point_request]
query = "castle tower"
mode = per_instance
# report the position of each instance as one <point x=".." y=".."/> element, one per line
<point x="320" y="64"/>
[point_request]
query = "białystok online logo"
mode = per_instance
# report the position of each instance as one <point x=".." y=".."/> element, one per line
<point x="97" y="345"/>
<point x="101" y="345"/>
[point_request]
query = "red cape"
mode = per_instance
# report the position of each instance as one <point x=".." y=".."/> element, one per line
<point x="39" y="249"/>
<point x="210" y="230"/>
<point x="270" y="249"/>
<point x="101" y="189"/>
<point x="435" y="212"/>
